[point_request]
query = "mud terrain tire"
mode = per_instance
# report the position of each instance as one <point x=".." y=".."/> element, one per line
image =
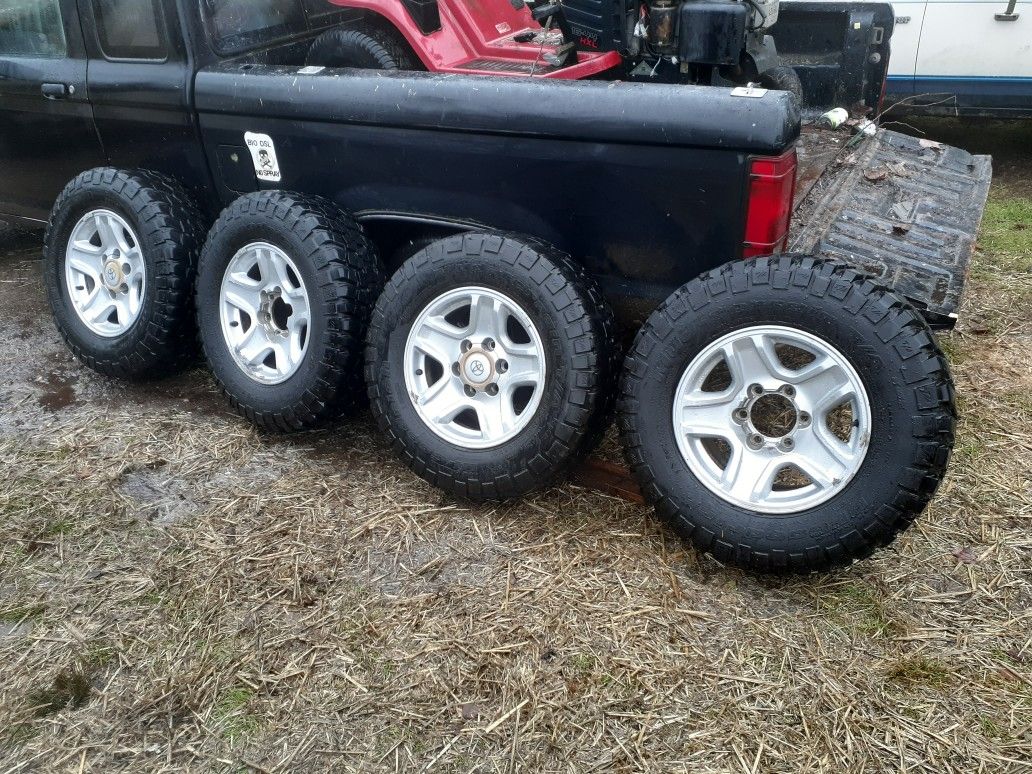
<point x="890" y="348"/>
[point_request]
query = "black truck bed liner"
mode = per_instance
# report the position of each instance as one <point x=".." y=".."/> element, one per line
<point x="903" y="209"/>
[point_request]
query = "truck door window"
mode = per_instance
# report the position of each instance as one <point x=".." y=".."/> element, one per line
<point x="130" y="29"/>
<point x="241" y="24"/>
<point x="32" y="28"/>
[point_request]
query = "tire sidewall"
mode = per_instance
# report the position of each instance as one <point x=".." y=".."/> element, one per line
<point x="64" y="222"/>
<point x="220" y="250"/>
<point x="892" y="443"/>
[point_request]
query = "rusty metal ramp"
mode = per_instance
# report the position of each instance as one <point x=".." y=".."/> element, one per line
<point x="903" y="209"/>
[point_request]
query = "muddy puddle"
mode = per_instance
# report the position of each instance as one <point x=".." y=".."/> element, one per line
<point x="58" y="390"/>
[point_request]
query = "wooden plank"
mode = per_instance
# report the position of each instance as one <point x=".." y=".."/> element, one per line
<point x="608" y="478"/>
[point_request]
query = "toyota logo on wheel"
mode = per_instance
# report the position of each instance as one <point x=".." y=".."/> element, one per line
<point x="477" y="368"/>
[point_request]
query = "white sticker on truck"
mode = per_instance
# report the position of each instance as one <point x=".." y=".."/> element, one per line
<point x="263" y="153"/>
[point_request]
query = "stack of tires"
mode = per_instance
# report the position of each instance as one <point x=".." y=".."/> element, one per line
<point x="784" y="414"/>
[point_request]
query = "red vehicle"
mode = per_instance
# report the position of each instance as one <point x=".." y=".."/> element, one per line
<point x="486" y="37"/>
<point x="686" y="41"/>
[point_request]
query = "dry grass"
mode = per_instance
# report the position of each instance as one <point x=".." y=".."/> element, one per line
<point x="178" y="592"/>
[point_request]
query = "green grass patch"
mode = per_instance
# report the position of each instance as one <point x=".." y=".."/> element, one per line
<point x="991" y="729"/>
<point x="582" y="663"/>
<point x="14" y="615"/>
<point x="953" y="347"/>
<point x="920" y="670"/>
<point x="59" y="527"/>
<point x="859" y="608"/>
<point x="969" y="449"/>
<point x="1007" y="233"/>
<point x="100" y="655"/>
<point x="231" y="711"/>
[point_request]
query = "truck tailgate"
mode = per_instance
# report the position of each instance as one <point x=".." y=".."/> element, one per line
<point x="903" y="209"/>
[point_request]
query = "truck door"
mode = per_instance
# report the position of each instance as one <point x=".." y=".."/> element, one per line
<point x="980" y="51"/>
<point x="140" y="77"/>
<point x="47" y="135"/>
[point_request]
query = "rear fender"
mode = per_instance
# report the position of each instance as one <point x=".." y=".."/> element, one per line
<point x="501" y="214"/>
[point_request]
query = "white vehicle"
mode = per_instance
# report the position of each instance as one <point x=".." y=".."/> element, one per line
<point x="963" y="57"/>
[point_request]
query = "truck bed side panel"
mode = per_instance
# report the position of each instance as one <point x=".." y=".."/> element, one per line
<point x="643" y="217"/>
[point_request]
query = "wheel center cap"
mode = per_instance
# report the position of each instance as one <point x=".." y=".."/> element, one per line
<point x="478" y="368"/>
<point x="113" y="275"/>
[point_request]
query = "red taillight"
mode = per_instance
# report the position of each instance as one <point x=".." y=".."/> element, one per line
<point x="771" y="188"/>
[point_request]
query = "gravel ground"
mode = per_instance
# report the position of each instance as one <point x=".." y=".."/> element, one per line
<point x="179" y="592"/>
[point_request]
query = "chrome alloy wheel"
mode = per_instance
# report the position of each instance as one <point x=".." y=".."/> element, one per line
<point x="474" y="367"/>
<point x="105" y="273"/>
<point x="772" y="419"/>
<point x="265" y="313"/>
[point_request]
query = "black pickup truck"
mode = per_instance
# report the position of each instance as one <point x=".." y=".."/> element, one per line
<point x="478" y="251"/>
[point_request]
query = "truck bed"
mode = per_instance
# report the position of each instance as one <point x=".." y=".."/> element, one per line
<point x="903" y="209"/>
<point x="473" y="152"/>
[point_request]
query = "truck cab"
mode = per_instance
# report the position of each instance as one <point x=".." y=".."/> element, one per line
<point x="47" y="134"/>
<point x="109" y="82"/>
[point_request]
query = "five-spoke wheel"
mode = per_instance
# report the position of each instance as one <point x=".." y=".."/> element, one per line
<point x="119" y="262"/>
<point x="475" y="367"/>
<point x="105" y="273"/>
<point x="772" y="418"/>
<point x="265" y="313"/>
<point x="787" y="413"/>
<point x="284" y="290"/>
